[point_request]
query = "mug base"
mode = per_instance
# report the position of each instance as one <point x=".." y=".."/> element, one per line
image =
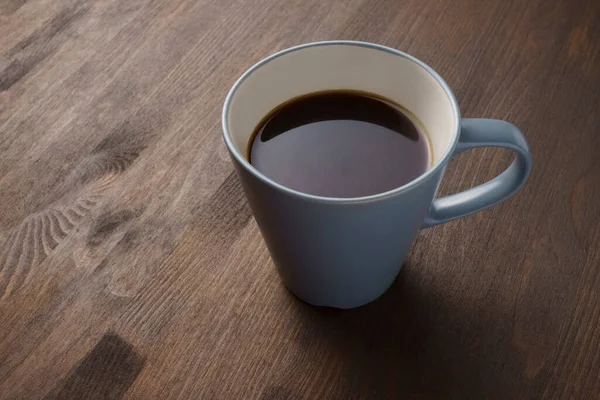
<point x="345" y="304"/>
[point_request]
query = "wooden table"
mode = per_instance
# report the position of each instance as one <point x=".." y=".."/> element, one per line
<point x="130" y="264"/>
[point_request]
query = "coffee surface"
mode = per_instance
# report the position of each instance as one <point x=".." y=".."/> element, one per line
<point x="339" y="144"/>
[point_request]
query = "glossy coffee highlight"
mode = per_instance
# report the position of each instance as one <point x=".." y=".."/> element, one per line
<point x="340" y="144"/>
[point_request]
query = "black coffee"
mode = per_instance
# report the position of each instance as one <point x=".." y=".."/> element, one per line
<point x="339" y="144"/>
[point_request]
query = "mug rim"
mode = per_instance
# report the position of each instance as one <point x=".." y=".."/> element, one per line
<point x="340" y="200"/>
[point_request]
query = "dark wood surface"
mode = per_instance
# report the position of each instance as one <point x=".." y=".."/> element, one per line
<point x="130" y="264"/>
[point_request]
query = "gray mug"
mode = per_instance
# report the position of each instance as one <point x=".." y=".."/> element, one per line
<point x="346" y="252"/>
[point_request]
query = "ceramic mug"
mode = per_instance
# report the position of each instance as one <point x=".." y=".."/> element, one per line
<point x="345" y="252"/>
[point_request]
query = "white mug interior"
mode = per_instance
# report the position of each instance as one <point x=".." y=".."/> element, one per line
<point x="338" y="65"/>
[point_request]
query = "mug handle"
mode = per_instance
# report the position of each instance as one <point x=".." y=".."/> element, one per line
<point x="479" y="132"/>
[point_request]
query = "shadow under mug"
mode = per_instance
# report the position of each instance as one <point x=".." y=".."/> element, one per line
<point x="346" y="252"/>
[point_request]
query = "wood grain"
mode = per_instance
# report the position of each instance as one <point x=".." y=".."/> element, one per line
<point x="130" y="264"/>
